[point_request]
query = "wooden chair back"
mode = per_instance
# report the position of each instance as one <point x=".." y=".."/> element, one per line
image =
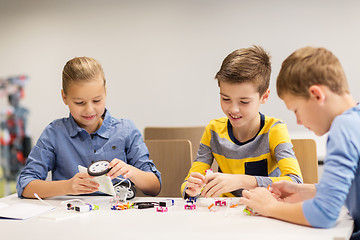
<point x="305" y="152"/>
<point x="194" y="134"/>
<point x="173" y="159"/>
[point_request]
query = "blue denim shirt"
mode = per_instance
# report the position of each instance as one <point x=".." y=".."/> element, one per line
<point x="64" y="145"/>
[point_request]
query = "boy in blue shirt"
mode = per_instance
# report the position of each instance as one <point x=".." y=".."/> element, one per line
<point x="313" y="85"/>
<point x="89" y="134"/>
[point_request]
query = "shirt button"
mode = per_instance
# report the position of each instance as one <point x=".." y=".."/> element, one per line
<point x="94" y="151"/>
<point x="92" y="136"/>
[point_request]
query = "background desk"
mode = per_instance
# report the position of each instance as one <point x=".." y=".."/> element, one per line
<point x="177" y="223"/>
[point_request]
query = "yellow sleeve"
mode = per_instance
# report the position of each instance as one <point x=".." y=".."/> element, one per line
<point x="204" y="157"/>
<point x="281" y="150"/>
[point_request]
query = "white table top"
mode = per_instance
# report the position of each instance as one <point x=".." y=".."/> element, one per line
<point x="177" y="223"/>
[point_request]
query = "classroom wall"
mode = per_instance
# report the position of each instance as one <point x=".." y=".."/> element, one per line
<point x="160" y="57"/>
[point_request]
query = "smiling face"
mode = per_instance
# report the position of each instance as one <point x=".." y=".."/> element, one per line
<point x="86" y="102"/>
<point x="240" y="102"/>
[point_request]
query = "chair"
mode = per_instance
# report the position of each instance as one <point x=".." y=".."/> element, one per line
<point x="173" y="159"/>
<point x="305" y="152"/>
<point x="193" y="134"/>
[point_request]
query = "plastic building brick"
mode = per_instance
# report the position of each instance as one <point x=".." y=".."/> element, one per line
<point x="167" y="203"/>
<point x="94" y="207"/>
<point x="121" y="206"/>
<point x="144" y="205"/>
<point x="190" y="207"/>
<point x="249" y="211"/>
<point x="70" y="206"/>
<point x="209" y="171"/>
<point x="220" y="203"/>
<point x="161" y="209"/>
<point x="86" y="208"/>
<point x="82" y="208"/>
<point x="190" y="203"/>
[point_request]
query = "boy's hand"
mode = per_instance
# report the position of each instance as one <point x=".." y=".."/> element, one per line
<point x="218" y="183"/>
<point x="259" y="199"/>
<point x="291" y="192"/>
<point x="194" y="184"/>
<point x="120" y="168"/>
<point x="81" y="183"/>
<point x="285" y="191"/>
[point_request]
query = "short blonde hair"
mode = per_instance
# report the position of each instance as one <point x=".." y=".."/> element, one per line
<point x="247" y="65"/>
<point x="81" y="69"/>
<point x="311" y="66"/>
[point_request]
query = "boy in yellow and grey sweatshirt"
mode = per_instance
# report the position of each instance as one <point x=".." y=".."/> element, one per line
<point x="251" y="149"/>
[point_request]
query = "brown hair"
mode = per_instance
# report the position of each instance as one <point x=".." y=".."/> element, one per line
<point x="247" y="65"/>
<point x="81" y="69"/>
<point x="311" y="66"/>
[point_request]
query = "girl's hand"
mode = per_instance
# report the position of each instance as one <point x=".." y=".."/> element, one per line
<point x="120" y="168"/>
<point x="81" y="183"/>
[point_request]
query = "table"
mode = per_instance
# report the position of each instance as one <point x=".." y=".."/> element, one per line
<point x="177" y="223"/>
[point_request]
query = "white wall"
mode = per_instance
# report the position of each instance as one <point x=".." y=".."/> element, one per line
<point x="160" y="57"/>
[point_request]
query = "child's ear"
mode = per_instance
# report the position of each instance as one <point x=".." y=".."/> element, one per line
<point x="265" y="96"/>
<point x="63" y="95"/>
<point x="317" y="93"/>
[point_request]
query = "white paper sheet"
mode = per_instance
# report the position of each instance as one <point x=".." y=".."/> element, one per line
<point x="23" y="211"/>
